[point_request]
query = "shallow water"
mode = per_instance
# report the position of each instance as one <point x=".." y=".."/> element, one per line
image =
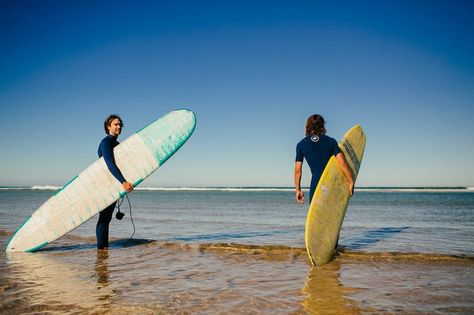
<point x="201" y="252"/>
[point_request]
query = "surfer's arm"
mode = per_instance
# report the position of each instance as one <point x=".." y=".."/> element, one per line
<point x="109" y="158"/>
<point x="297" y="176"/>
<point x="107" y="150"/>
<point x="345" y="168"/>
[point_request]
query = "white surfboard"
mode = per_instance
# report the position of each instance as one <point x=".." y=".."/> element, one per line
<point x="95" y="188"/>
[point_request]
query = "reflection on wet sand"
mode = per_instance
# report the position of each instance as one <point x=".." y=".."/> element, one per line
<point x="325" y="294"/>
<point x="103" y="277"/>
<point x="322" y="292"/>
<point x="170" y="278"/>
<point x="48" y="282"/>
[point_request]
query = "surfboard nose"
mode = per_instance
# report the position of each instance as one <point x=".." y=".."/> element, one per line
<point x="167" y="134"/>
<point x="186" y="114"/>
<point x="186" y="117"/>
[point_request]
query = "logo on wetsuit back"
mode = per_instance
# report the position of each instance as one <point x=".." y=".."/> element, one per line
<point x="315" y="138"/>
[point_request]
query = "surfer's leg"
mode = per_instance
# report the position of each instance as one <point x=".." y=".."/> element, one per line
<point x="102" y="228"/>
<point x="312" y="188"/>
<point x="311" y="193"/>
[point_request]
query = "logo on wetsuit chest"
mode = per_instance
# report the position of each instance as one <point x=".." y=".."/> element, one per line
<point x="315" y="138"/>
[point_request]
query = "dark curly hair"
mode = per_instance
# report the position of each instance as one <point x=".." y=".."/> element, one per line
<point x="109" y="120"/>
<point x="315" y="125"/>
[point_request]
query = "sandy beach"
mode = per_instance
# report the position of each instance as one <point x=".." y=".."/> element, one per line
<point x="242" y="252"/>
<point x="151" y="277"/>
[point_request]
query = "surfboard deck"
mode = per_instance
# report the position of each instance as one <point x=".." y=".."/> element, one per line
<point x="95" y="188"/>
<point x="329" y="204"/>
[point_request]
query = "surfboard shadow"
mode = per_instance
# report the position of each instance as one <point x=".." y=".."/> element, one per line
<point x="373" y="236"/>
<point x="226" y="236"/>
<point x="121" y="243"/>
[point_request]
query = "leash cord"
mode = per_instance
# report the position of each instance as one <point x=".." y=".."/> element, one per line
<point x="131" y="216"/>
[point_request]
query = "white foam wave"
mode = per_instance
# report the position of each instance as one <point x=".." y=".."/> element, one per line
<point x="46" y="187"/>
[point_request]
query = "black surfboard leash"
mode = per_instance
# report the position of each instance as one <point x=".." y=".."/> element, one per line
<point x="119" y="215"/>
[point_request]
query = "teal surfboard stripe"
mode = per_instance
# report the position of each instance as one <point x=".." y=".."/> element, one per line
<point x="123" y="193"/>
<point x="36" y="247"/>
<point x="67" y="184"/>
<point x="17" y="230"/>
<point x="146" y="126"/>
<point x="138" y="182"/>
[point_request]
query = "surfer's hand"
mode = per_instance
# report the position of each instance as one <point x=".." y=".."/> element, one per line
<point x="127" y="186"/>
<point x="351" y="189"/>
<point x="299" y="196"/>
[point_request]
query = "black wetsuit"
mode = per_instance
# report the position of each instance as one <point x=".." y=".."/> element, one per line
<point x="317" y="151"/>
<point x="106" y="150"/>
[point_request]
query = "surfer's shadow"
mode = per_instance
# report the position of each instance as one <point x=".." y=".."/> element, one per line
<point x="372" y="237"/>
<point x="116" y="244"/>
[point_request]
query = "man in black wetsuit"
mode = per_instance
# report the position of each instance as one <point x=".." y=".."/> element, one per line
<point x="112" y="127"/>
<point x="317" y="148"/>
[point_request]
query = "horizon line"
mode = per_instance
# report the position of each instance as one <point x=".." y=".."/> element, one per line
<point x="255" y="188"/>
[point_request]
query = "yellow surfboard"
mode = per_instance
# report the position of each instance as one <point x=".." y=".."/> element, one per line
<point x="329" y="204"/>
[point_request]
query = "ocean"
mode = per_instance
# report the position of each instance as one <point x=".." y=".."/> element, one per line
<point x="241" y="251"/>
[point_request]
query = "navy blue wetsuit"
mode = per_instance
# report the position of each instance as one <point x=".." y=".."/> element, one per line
<point x="106" y="150"/>
<point x="317" y="151"/>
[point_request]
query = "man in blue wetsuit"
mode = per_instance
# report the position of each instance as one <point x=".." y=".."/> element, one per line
<point x="112" y="127"/>
<point x="317" y="148"/>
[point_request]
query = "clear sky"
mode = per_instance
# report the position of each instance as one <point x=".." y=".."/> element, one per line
<point x="252" y="71"/>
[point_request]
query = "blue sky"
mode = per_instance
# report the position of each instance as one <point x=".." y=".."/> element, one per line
<point x="252" y="71"/>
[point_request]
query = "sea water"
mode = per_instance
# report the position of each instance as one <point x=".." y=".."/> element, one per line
<point x="241" y="250"/>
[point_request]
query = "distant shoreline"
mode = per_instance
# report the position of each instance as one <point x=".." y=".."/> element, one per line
<point x="265" y="189"/>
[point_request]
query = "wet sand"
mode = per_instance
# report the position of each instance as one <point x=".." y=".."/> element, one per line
<point x="150" y="277"/>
